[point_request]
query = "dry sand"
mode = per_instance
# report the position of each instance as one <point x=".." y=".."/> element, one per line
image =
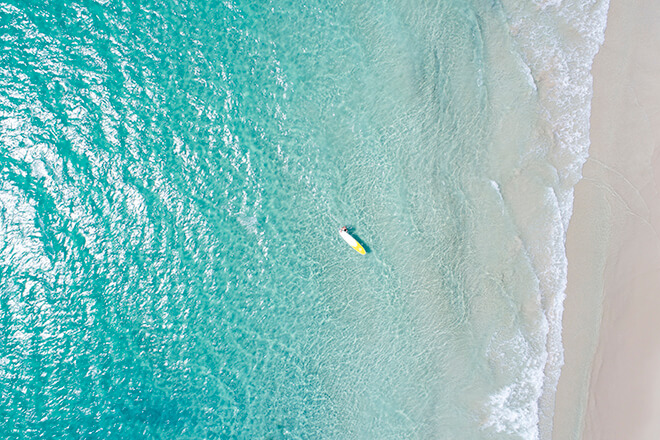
<point x="610" y="384"/>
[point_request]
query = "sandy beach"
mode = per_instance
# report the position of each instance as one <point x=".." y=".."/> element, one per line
<point x="610" y="383"/>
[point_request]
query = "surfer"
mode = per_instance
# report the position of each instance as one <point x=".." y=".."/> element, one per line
<point x="352" y="242"/>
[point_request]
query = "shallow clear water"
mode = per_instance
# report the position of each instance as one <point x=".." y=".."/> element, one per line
<point x="173" y="177"/>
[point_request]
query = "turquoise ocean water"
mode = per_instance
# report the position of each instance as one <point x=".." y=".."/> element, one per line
<point x="173" y="174"/>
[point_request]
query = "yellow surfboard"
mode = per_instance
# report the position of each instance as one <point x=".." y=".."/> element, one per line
<point x="352" y="242"/>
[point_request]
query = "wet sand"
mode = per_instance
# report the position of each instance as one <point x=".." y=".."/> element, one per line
<point x="610" y="383"/>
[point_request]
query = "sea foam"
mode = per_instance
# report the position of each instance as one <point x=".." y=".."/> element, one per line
<point x="555" y="42"/>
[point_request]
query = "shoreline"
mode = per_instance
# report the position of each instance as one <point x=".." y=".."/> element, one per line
<point x="609" y="387"/>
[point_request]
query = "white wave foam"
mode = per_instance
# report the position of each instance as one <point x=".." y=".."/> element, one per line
<point x="557" y="41"/>
<point x="512" y="409"/>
